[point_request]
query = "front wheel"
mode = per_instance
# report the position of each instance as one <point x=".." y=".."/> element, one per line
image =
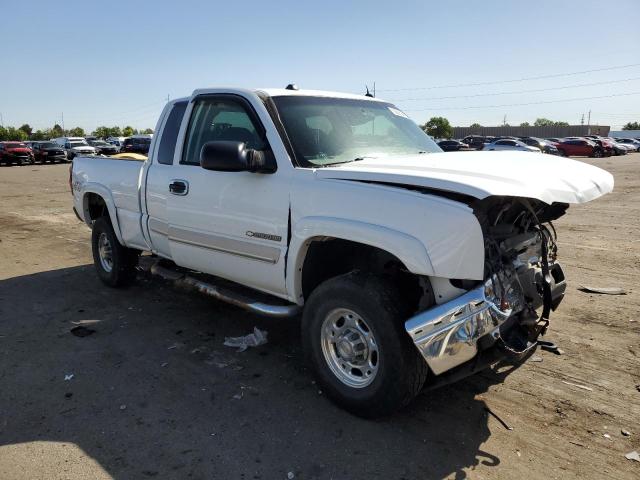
<point x="115" y="264"/>
<point x="597" y="153"/>
<point x="354" y="337"/>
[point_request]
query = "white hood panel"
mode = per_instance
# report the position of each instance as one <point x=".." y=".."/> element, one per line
<point x="548" y="178"/>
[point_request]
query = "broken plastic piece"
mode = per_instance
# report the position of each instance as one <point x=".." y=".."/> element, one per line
<point x="633" y="456"/>
<point x="603" y="290"/>
<point x="68" y="377"/>
<point x="255" y="339"/>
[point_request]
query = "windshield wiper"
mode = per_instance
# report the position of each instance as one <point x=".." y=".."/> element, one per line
<point x="357" y="159"/>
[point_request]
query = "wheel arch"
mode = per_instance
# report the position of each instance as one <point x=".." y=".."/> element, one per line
<point x="332" y="246"/>
<point x="97" y="202"/>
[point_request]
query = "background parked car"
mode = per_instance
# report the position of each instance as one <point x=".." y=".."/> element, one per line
<point x="136" y="144"/>
<point x="545" y="146"/>
<point x="75" y="146"/>
<point x="620" y="148"/>
<point x="102" y="147"/>
<point x="630" y="141"/>
<point x="117" y="141"/>
<point x="474" y="141"/>
<point x="48" y="152"/>
<point x="510" y="144"/>
<point x="607" y="147"/>
<point x="580" y="147"/>
<point x="453" y="146"/>
<point x="15" y="152"/>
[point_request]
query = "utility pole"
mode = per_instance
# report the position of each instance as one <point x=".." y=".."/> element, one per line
<point x="582" y="120"/>
<point x="63" y="131"/>
<point x="504" y="120"/>
<point x="1" y="120"/>
<point x="167" y="98"/>
<point x="589" y="124"/>
<point x="374" y="89"/>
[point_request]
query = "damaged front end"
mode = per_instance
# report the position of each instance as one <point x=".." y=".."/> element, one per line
<point x="507" y="312"/>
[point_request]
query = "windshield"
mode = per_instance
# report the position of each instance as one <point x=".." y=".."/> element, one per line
<point x="16" y="145"/>
<point x="78" y="144"/>
<point x="49" y="145"/>
<point x="326" y="131"/>
<point x="99" y="143"/>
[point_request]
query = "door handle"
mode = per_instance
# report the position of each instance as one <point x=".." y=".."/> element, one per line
<point x="179" y="187"/>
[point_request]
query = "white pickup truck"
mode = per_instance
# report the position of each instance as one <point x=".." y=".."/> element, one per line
<point x="411" y="267"/>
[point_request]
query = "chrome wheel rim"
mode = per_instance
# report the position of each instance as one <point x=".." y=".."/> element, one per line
<point x="105" y="253"/>
<point x="350" y="348"/>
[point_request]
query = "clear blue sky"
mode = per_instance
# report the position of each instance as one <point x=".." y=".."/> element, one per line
<point x="115" y="62"/>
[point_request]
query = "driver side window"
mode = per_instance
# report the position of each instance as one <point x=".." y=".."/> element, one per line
<point x="220" y="119"/>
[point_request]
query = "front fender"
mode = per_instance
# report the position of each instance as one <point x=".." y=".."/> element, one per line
<point x="103" y="192"/>
<point x="409" y="250"/>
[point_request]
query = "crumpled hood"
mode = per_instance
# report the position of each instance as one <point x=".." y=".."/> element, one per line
<point x="483" y="174"/>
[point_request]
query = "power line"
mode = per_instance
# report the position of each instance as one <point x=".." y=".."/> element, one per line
<point x="523" y="79"/>
<point x="519" y="91"/>
<point x="522" y="104"/>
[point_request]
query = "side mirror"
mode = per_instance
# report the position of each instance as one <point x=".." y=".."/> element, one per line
<point x="232" y="156"/>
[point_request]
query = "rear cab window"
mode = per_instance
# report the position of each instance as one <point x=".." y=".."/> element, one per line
<point x="170" y="133"/>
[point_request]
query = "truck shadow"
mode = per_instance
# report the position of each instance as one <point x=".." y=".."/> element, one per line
<point x="155" y="393"/>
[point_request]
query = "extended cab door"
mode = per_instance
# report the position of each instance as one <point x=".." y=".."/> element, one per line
<point x="158" y="173"/>
<point x="230" y="224"/>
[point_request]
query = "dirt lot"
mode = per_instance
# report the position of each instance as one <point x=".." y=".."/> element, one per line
<point x="154" y="392"/>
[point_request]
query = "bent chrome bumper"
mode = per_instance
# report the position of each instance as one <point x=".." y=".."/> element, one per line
<point x="447" y="335"/>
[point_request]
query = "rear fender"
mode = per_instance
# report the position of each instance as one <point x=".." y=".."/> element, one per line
<point x="105" y="194"/>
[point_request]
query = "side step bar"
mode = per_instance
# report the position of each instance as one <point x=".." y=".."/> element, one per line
<point x="226" y="295"/>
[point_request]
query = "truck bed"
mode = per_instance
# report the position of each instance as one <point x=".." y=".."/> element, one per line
<point x="117" y="178"/>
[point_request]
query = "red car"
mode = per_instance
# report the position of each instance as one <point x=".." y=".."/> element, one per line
<point x="580" y="147"/>
<point x="15" y="152"/>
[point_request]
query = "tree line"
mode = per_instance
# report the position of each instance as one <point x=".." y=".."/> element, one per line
<point x="439" y="127"/>
<point x="25" y="132"/>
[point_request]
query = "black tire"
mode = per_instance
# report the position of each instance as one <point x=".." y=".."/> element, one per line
<point x="401" y="371"/>
<point x="123" y="260"/>
<point x="597" y="153"/>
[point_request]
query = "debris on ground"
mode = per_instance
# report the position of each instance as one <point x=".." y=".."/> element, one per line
<point x="535" y="358"/>
<point x="607" y="436"/>
<point x="603" y="290"/>
<point x="176" y="345"/>
<point x="583" y="387"/>
<point x="164" y="364"/>
<point x="291" y="476"/>
<point x="123" y="407"/>
<point x="255" y="339"/>
<point x="81" y="331"/>
<point x="68" y="395"/>
<point x="625" y="433"/>
<point x="68" y="377"/>
<point x="633" y="456"/>
<point x="494" y="415"/>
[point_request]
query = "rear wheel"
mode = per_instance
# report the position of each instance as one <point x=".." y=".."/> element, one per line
<point x="597" y="153"/>
<point x="354" y="337"/>
<point x="115" y="264"/>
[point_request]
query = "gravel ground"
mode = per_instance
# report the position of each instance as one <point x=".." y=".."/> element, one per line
<point x="154" y="393"/>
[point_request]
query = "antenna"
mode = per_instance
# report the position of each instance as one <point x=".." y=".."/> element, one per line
<point x="368" y="94"/>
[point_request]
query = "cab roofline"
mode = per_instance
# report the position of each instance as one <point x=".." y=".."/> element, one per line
<point x="283" y="92"/>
